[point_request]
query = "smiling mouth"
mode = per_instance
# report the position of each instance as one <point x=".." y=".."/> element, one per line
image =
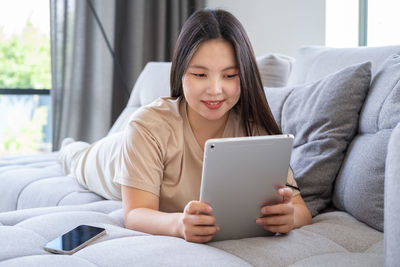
<point x="213" y="104"/>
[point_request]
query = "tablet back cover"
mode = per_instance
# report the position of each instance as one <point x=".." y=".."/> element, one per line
<point x="241" y="175"/>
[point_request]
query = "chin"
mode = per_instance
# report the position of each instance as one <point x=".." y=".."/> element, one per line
<point x="214" y="117"/>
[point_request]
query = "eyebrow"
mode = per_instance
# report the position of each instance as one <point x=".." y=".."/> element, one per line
<point x="205" y="68"/>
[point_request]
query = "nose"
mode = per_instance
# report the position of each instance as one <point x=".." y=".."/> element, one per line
<point x="214" y="87"/>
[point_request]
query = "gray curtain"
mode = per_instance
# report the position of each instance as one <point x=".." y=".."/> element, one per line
<point x="90" y="87"/>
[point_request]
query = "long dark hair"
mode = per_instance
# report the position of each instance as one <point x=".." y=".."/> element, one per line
<point x="209" y="24"/>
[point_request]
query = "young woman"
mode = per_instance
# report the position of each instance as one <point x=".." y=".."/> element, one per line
<point x="155" y="165"/>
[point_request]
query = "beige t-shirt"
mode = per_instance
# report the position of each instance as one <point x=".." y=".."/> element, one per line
<point x="160" y="154"/>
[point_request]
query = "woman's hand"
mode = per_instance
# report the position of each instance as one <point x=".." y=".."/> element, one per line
<point x="279" y="218"/>
<point x="196" y="223"/>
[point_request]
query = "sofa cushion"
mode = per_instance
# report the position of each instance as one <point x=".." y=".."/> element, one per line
<point x="315" y="62"/>
<point x="342" y="259"/>
<point x="392" y="200"/>
<point x="359" y="187"/>
<point x="25" y="232"/>
<point x="30" y="182"/>
<point x="311" y="241"/>
<point x="323" y="118"/>
<point x="112" y="207"/>
<point x="152" y="83"/>
<point x="7" y="162"/>
<point x="274" y="69"/>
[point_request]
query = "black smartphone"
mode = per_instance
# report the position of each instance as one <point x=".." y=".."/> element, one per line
<point x="75" y="239"/>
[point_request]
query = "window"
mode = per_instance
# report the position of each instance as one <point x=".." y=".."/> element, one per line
<point x="383" y="22"/>
<point x="341" y="28"/>
<point x="25" y="77"/>
<point x="350" y="23"/>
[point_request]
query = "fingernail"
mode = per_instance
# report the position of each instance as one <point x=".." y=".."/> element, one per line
<point x="281" y="191"/>
<point x="263" y="211"/>
<point x="209" y="209"/>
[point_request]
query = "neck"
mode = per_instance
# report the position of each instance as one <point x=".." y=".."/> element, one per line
<point x="204" y="129"/>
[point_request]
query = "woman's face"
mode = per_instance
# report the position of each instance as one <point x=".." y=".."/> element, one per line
<point x="211" y="83"/>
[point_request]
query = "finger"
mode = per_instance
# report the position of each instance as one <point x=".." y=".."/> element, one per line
<point x="196" y="219"/>
<point x="205" y="230"/>
<point x="200" y="231"/>
<point x="205" y="220"/>
<point x="200" y="239"/>
<point x="196" y="207"/>
<point x="279" y="228"/>
<point x="278" y="209"/>
<point x="286" y="193"/>
<point x="275" y="220"/>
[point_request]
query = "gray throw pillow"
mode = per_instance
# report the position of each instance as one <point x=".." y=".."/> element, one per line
<point x="323" y="117"/>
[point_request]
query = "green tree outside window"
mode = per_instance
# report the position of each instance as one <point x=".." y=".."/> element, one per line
<point x="25" y="63"/>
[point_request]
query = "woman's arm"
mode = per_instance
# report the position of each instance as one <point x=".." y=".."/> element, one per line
<point x="141" y="213"/>
<point x="195" y="224"/>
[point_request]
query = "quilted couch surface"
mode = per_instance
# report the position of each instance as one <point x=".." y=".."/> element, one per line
<point x="38" y="181"/>
<point x="334" y="239"/>
<point x="44" y="214"/>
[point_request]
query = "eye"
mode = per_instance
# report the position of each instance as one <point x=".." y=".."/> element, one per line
<point x="231" y="76"/>
<point x="200" y="75"/>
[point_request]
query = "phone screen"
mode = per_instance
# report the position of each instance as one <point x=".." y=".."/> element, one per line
<point x="74" y="238"/>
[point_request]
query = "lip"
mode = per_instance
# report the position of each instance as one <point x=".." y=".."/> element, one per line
<point x="213" y="104"/>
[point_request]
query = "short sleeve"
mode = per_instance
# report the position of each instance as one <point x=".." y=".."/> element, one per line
<point x="291" y="181"/>
<point x="140" y="163"/>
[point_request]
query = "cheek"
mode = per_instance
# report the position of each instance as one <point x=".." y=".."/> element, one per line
<point x="185" y="84"/>
<point x="190" y="86"/>
<point x="236" y="89"/>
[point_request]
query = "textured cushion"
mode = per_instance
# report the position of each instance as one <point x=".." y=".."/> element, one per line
<point x="23" y="234"/>
<point x="274" y="69"/>
<point x="311" y="241"/>
<point x="392" y="200"/>
<point x="323" y="118"/>
<point x="342" y="259"/>
<point x="38" y="181"/>
<point x="359" y="186"/>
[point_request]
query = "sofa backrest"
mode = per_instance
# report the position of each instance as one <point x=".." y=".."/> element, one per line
<point x="359" y="185"/>
<point x="153" y="82"/>
<point x="315" y="62"/>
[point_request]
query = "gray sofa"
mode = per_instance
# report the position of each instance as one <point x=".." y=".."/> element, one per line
<point x="345" y="115"/>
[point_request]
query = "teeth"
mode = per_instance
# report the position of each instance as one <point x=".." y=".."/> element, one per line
<point x="213" y="103"/>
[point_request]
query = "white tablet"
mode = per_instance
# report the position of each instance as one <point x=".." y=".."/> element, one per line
<point x="241" y="175"/>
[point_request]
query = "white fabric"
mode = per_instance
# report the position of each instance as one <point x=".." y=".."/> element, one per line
<point x="93" y="166"/>
<point x="274" y="69"/>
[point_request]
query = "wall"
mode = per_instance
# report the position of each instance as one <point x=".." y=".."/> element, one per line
<point x="279" y="26"/>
